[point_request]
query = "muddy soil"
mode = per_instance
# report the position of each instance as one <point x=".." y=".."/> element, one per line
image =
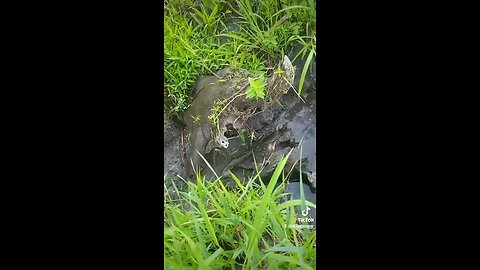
<point x="287" y="123"/>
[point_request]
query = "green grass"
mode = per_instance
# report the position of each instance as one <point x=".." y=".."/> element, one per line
<point x="201" y="38"/>
<point x="212" y="227"/>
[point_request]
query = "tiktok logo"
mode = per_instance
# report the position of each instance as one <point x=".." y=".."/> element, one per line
<point x="305" y="212"/>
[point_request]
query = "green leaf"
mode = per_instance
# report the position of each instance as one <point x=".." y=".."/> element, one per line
<point x="304" y="72"/>
<point x="257" y="88"/>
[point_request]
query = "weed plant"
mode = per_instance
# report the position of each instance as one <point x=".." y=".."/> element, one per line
<point x="212" y="227"/>
<point x="201" y="37"/>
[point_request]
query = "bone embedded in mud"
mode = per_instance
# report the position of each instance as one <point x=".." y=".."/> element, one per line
<point x="287" y="63"/>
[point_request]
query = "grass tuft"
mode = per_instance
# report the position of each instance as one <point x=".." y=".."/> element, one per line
<point x="201" y="38"/>
<point x="212" y="227"/>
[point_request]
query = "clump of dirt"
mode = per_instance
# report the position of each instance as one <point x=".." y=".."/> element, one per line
<point x="221" y="108"/>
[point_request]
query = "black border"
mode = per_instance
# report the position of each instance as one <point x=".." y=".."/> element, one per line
<point x="92" y="151"/>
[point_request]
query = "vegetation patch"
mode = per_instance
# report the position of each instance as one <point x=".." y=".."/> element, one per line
<point x="248" y="227"/>
<point x="201" y="37"/>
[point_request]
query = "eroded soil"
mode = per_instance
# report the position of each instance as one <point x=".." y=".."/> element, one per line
<point x="256" y="132"/>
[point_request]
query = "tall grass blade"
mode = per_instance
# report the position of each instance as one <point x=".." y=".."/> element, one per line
<point x="212" y="257"/>
<point x="296" y="202"/>
<point x="208" y="164"/>
<point x="304" y="72"/>
<point x="261" y="214"/>
<point x="288" y="8"/>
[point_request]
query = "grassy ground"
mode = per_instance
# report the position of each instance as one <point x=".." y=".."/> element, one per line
<point x="201" y="37"/>
<point x="212" y="227"/>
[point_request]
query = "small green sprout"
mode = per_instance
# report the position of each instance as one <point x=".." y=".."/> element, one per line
<point x="257" y="88"/>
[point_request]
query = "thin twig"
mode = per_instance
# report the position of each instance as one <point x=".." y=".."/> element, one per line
<point x="182" y="147"/>
<point x="295" y="90"/>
